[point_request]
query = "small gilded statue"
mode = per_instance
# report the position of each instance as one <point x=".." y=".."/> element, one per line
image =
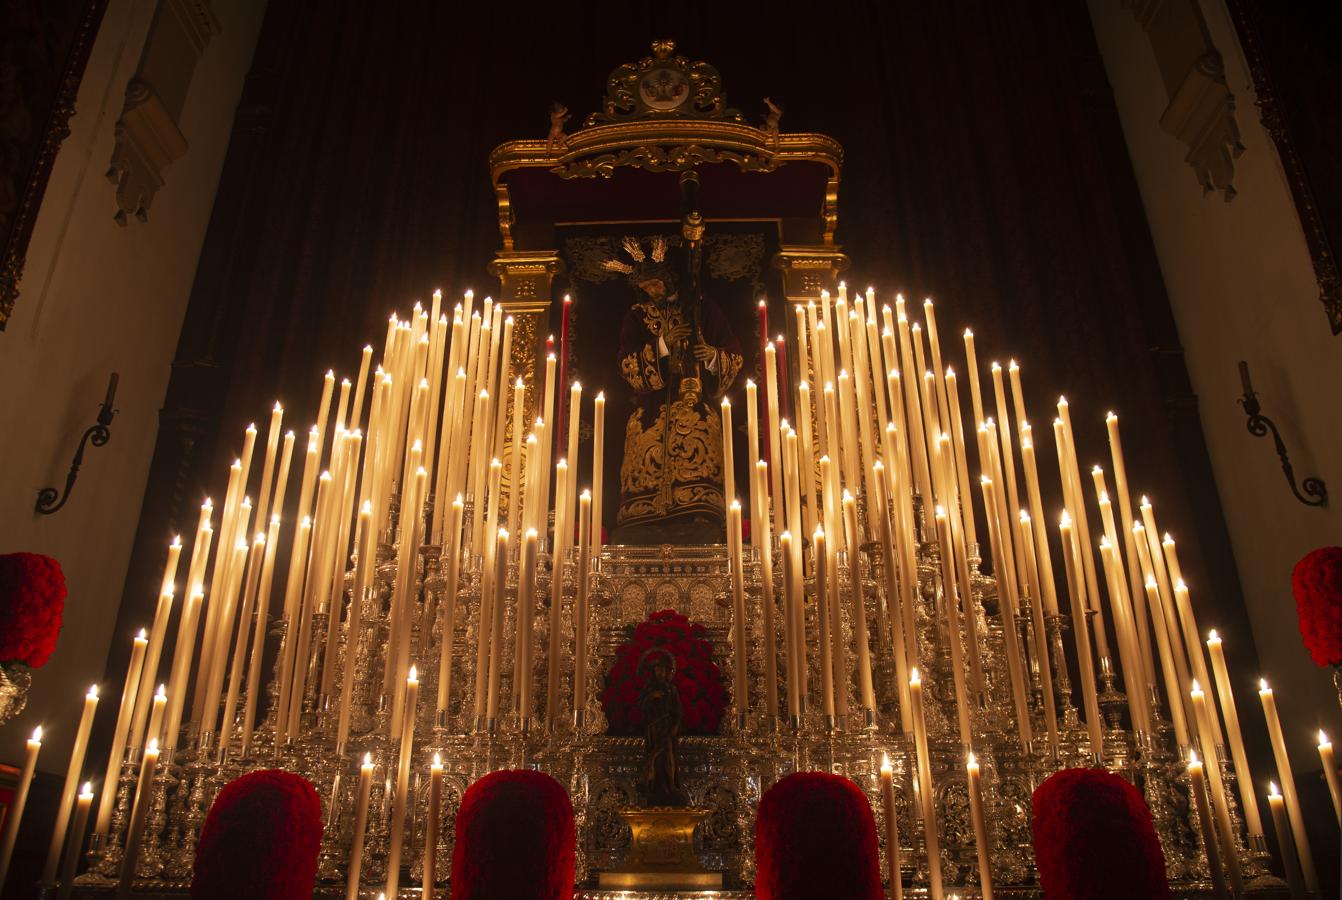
<point x="659" y="702"/>
<point x="772" y="118"/>
<point x="556" y="139"/>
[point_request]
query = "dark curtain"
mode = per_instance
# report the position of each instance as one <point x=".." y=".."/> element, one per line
<point x="984" y="166"/>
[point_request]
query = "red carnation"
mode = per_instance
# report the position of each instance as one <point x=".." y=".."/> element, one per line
<point x="698" y="679"/>
<point x="1094" y="840"/>
<point x="32" y="598"/>
<point x="1316" y="582"/>
<point x="515" y="839"/>
<point x="260" y="839"/>
<point x="815" y="836"/>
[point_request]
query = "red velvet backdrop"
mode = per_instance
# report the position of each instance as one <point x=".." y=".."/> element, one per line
<point x="984" y="165"/>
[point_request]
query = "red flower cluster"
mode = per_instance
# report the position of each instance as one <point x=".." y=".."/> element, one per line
<point x="32" y="598"/>
<point x="1316" y="582"/>
<point x="702" y="695"/>
<point x="1093" y="839"/>
<point x="516" y="839"/>
<point x="815" y="836"/>
<point x="260" y="839"/>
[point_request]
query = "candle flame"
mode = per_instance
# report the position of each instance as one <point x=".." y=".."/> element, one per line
<point x="1193" y="759"/>
<point x="1213" y="636"/>
<point x="914" y="677"/>
<point x="437" y="760"/>
<point x="37" y="734"/>
<point x="162" y="691"/>
<point x="1024" y="517"/>
<point x="1066" y="520"/>
<point x="1150" y="582"/>
<point x="1323" y="738"/>
<point x="93" y="692"/>
<point x="1197" y="688"/>
<point x="368" y="759"/>
<point x="1180" y="585"/>
<point x="152" y="746"/>
<point x="972" y="762"/>
<point x="142" y="635"/>
<point x="1273" y="791"/>
<point x="88" y="789"/>
<point x="1167" y="539"/>
<point x="1262" y="686"/>
<point x="885" y="762"/>
<point x="969" y="333"/>
<point x="995" y="366"/>
<point x="585" y="495"/>
<point x="414" y="674"/>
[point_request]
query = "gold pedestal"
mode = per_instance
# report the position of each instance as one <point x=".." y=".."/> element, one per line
<point x="661" y="855"/>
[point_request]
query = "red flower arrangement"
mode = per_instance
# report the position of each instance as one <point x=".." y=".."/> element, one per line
<point x="703" y="698"/>
<point x="815" y="836"/>
<point x="1093" y="839"/>
<point x="260" y="839"/>
<point x="1316" y="582"/>
<point x="516" y="839"/>
<point x="32" y="599"/>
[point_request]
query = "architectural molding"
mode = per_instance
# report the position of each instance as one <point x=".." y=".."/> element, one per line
<point x="1201" y="110"/>
<point x="148" y="134"/>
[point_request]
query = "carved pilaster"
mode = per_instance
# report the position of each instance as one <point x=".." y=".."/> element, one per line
<point x="526" y="279"/>
<point x="809" y="270"/>
<point x="148" y="134"/>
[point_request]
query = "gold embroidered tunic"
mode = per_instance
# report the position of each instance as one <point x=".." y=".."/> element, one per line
<point x="672" y="466"/>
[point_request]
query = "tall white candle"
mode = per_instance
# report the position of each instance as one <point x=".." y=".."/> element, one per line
<point x="144" y="794"/>
<point x="1243" y="776"/>
<point x="1199" y="791"/>
<point x="1290" y="859"/>
<point x="892" y="873"/>
<point x="75" y="844"/>
<point x="925" y="799"/>
<point x="1330" y="773"/>
<point x="118" y="751"/>
<point x="360" y="828"/>
<point x="67" y="800"/>
<point x="431" y="828"/>
<point x="980" y="828"/>
<point x="1288" y="785"/>
<point x="14" y="815"/>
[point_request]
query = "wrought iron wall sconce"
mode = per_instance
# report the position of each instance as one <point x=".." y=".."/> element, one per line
<point x="49" y="500"/>
<point x="1311" y="491"/>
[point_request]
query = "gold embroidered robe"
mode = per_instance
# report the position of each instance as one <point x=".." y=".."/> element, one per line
<point x="672" y="464"/>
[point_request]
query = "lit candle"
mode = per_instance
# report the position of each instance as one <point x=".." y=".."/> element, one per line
<point x="118" y="751"/>
<point x="953" y="613"/>
<point x="553" y="662"/>
<point x="1243" y="777"/>
<point x="144" y="795"/>
<point x="156" y="715"/>
<point x="526" y="616"/>
<point x="497" y="610"/>
<point x="1031" y="581"/>
<point x="1290" y="860"/>
<point x="766" y="582"/>
<point x="432" y="827"/>
<point x="360" y="828"/>
<point x="1330" y="772"/>
<point x="599" y="468"/>
<point x="796" y="668"/>
<point x="975" y="392"/>
<point x="1218" y="794"/>
<point x="925" y="799"/>
<point x="820" y="555"/>
<point x="980" y="828"/>
<point x="73" y="847"/>
<point x="1199" y="791"/>
<point x="580" y="603"/>
<point x="728" y="456"/>
<point x="447" y="638"/>
<point x="1081" y="631"/>
<point x="859" y="608"/>
<point x="891" y="829"/>
<point x="1288" y="785"/>
<point x="72" y="784"/>
<point x="14" y="815"/>
<point x="407" y="737"/>
<point x="771" y="428"/>
<point x="752" y="459"/>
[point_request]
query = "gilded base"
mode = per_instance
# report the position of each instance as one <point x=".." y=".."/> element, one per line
<point x="661" y="855"/>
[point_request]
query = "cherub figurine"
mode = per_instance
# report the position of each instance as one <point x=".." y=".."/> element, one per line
<point x="774" y="116"/>
<point x="559" y="114"/>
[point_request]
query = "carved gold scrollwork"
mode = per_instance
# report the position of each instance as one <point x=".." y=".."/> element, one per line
<point x="662" y="159"/>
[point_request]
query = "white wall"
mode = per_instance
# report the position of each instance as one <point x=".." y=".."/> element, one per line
<point x="98" y="297"/>
<point x="1242" y="287"/>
